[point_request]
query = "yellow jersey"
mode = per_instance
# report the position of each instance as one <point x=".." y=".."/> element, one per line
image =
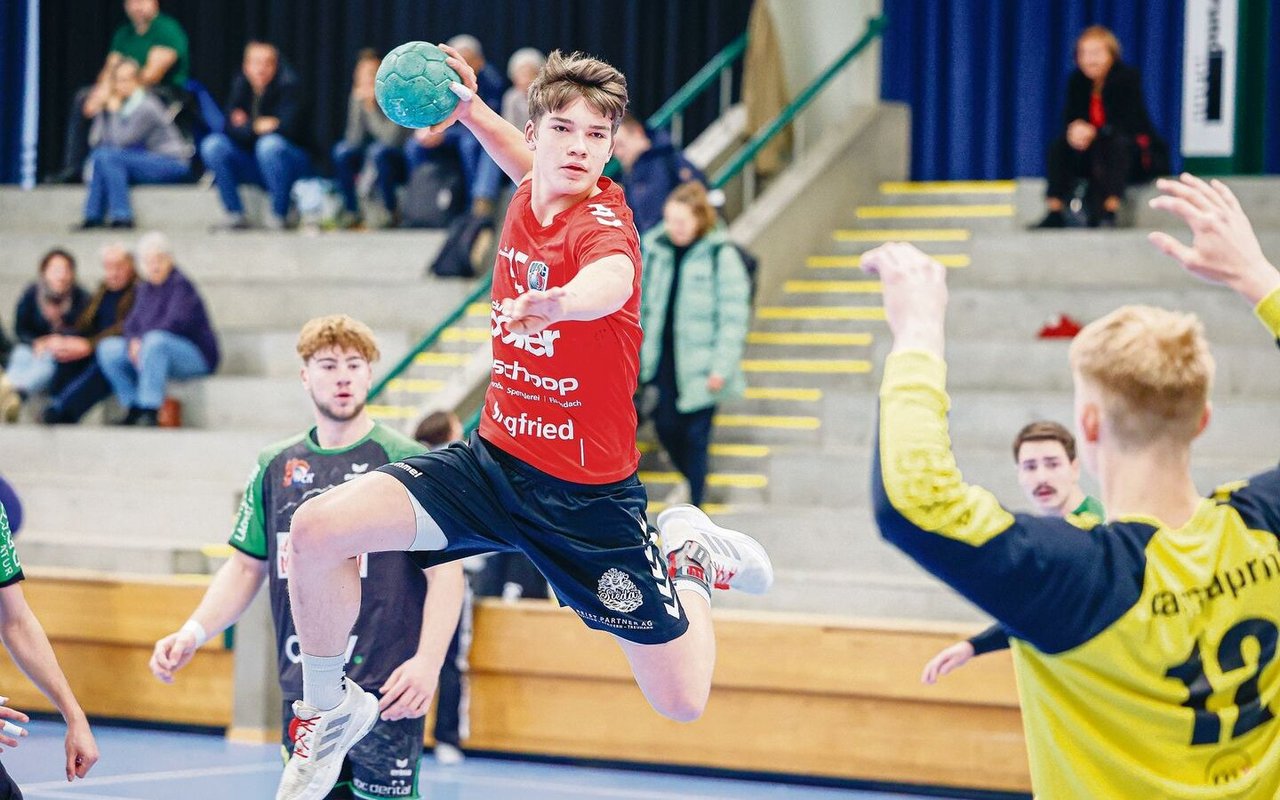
<point x="1145" y="655"/>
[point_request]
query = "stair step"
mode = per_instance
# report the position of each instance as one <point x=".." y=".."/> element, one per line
<point x="902" y="235"/>
<point x="948" y="187"/>
<point x="937" y="211"/>
<point x="952" y="260"/>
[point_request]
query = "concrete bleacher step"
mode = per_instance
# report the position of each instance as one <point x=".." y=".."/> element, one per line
<point x="1257" y="195"/>
<point x="94" y="453"/>
<point x="56" y="208"/>
<point x="43" y="549"/>
<point x="341" y="257"/>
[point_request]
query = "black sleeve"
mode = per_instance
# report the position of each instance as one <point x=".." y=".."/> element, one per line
<point x="28" y="324"/>
<point x="1125" y="106"/>
<point x="1077" y="107"/>
<point x="288" y="109"/>
<point x="992" y="639"/>
<point x="241" y="97"/>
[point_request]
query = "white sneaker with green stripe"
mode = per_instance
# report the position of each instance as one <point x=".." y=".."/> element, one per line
<point x="321" y="740"/>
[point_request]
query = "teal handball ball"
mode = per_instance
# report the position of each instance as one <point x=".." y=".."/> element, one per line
<point x="412" y="85"/>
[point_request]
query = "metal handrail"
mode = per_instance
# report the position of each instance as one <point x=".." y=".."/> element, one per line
<point x="745" y="154"/>
<point x="481" y="289"/>
<point x="721" y="66"/>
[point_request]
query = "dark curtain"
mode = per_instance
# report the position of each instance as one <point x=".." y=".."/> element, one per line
<point x="986" y="79"/>
<point x="13" y="59"/>
<point x="1271" y="129"/>
<point x="658" y="44"/>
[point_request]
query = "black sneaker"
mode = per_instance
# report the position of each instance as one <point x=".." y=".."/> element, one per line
<point x="147" y="418"/>
<point x="131" y="418"/>
<point x="88" y="225"/>
<point x="1054" y="219"/>
<point x="66" y="176"/>
<point x="122" y="224"/>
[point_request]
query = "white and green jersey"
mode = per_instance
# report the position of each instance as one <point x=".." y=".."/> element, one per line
<point x="10" y="566"/>
<point x="393" y="588"/>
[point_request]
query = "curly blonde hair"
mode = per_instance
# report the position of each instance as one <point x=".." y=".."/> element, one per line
<point x="340" y="332"/>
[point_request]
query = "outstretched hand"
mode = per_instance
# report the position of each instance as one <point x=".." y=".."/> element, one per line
<point x="466" y="90"/>
<point x="1224" y="248"/>
<point x="535" y="311"/>
<point x="946" y="661"/>
<point x="914" y="286"/>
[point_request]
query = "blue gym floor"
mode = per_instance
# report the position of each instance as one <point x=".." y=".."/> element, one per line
<point x="148" y="765"/>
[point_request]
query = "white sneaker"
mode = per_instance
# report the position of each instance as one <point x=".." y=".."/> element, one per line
<point x="321" y="741"/>
<point x="737" y="560"/>
<point x="447" y="755"/>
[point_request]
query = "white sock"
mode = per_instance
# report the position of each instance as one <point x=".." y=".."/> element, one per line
<point x="322" y="686"/>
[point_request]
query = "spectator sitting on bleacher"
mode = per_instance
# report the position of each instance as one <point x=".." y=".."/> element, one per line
<point x="1107" y="137"/>
<point x="262" y="144"/>
<point x="10" y="400"/>
<point x="166" y="335"/>
<point x="152" y="39"/>
<point x="369" y="137"/>
<point x="48" y="308"/>
<point x="523" y="66"/>
<point x="482" y="175"/>
<point x="134" y="141"/>
<point x="652" y="167"/>
<point x="79" y="383"/>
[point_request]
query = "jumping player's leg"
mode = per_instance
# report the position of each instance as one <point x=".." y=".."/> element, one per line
<point x="675" y="676"/>
<point x="371" y="514"/>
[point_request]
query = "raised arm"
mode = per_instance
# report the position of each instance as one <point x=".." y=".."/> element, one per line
<point x="504" y="142"/>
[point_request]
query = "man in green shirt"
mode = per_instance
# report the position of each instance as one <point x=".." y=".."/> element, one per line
<point x="1049" y="473"/>
<point x="159" y="44"/>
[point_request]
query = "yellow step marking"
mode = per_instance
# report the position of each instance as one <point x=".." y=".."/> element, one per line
<point x="810" y="365"/>
<point x="217" y="550"/>
<point x="420" y="385"/>
<point x="832" y="287"/>
<point x="442" y="359"/>
<point x="939" y="211"/>
<point x="954" y="260"/>
<point x="865" y="313"/>
<point x="902" y="235"/>
<point x="767" y="421"/>
<point x="392" y="412"/>
<point x="466" y="335"/>
<point x="727" y="450"/>
<point x="818" y="338"/>
<point x="734" y="480"/>
<point x="481" y="309"/>
<point x="782" y="393"/>
<point x="948" y="187"/>
<point x="714" y="509"/>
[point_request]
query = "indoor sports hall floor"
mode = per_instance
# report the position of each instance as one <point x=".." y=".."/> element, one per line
<point x="148" y="765"/>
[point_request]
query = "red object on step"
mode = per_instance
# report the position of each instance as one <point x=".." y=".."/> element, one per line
<point x="1060" y="326"/>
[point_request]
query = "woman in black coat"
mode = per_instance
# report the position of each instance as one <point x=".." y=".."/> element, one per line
<point x="1104" y="121"/>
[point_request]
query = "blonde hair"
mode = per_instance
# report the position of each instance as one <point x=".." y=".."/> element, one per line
<point x="337" y="331"/>
<point x="694" y="196"/>
<point x="1153" y="369"/>
<point x="1103" y="34"/>
<point x="564" y="78"/>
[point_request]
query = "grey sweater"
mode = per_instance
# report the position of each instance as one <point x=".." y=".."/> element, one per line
<point x="364" y="123"/>
<point x="147" y="126"/>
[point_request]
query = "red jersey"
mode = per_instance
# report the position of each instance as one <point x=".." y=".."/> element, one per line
<point x="561" y="400"/>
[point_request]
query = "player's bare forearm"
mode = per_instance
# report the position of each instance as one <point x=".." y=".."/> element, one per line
<point x="27" y="643"/>
<point x="159" y="60"/>
<point x="446" y="587"/>
<point x="230" y="592"/>
<point x="599" y="289"/>
<point x="503" y="141"/>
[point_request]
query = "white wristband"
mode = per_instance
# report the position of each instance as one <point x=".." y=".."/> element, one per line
<point x="195" y="629"/>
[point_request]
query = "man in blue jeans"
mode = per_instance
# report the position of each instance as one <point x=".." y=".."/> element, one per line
<point x="166" y="335"/>
<point x="262" y="145"/>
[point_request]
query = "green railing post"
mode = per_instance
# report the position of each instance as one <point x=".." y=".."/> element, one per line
<point x="719" y="68"/>
<point x="748" y="152"/>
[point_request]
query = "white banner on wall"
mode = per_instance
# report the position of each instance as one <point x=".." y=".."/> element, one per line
<point x="1209" y="78"/>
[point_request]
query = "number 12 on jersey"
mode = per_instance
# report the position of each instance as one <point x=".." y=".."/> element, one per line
<point x="1252" y="713"/>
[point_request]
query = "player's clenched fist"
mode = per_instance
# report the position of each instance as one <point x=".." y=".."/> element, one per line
<point x="172" y="654"/>
<point x="914" y="287"/>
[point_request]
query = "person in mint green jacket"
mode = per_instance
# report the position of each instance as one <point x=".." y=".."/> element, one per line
<point x="694" y="310"/>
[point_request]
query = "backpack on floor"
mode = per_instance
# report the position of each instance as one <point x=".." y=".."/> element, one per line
<point x="469" y="239"/>
<point x="434" y="196"/>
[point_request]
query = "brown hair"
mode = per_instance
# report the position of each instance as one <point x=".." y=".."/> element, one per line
<point x="436" y="429"/>
<point x="694" y="195"/>
<point x="1103" y="34"/>
<point x="1045" y="431"/>
<point x="57" y="252"/>
<point x="564" y="78"/>
<point x="337" y="331"/>
<point x="1153" y="369"/>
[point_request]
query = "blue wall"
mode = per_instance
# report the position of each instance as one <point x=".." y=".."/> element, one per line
<point x="13" y="24"/>
<point x="986" y="79"/>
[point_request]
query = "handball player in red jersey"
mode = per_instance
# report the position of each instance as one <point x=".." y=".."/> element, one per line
<point x="552" y="470"/>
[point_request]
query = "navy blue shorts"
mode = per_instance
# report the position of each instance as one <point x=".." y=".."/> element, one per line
<point x="591" y="542"/>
